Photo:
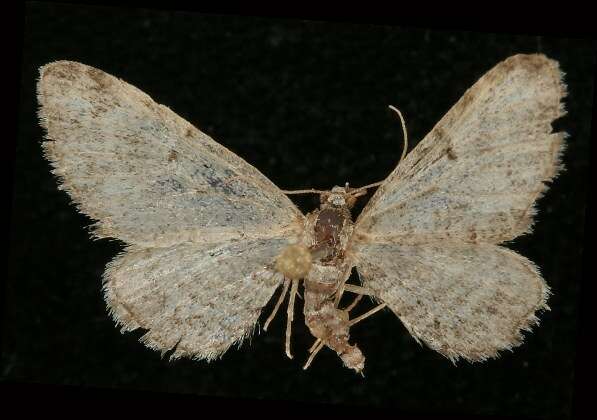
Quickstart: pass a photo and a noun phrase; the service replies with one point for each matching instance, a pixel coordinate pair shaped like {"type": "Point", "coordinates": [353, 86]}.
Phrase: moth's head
{"type": "Point", "coordinates": [340, 197]}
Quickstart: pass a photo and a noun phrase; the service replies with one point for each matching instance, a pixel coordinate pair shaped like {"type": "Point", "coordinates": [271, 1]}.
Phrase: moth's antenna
{"type": "Point", "coordinates": [404, 147]}
{"type": "Point", "coordinates": [309, 191]}
{"type": "Point", "coordinates": [375, 184]}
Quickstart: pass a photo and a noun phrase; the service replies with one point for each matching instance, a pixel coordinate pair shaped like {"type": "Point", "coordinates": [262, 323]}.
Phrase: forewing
{"type": "Point", "coordinates": [462, 300]}
{"type": "Point", "coordinates": [147, 175]}
{"type": "Point", "coordinates": [477, 174]}
{"type": "Point", "coordinates": [198, 299]}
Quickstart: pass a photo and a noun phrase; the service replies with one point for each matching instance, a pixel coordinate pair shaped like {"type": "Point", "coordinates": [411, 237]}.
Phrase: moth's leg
{"type": "Point", "coordinates": [290, 314]}
{"type": "Point", "coordinates": [313, 354]}
{"type": "Point", "coordinates": [353, 304]}
{"type": "Point", "coordinates": [341, 289]}
{"type": "Point", "coordinates": [278, 303]}
{"type": "Point", "coordinates": [360, 290]}
{"type": "Point", "coordinates": [367, 314]}
{"type": "Point", "coordinates": [339, 293]}
{"type": "Point", "coordinates": [315, 344]}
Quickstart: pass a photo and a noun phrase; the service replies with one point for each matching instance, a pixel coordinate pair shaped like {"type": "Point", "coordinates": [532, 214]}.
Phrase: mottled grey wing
{"type": "Point", "coordinates": [475, 177]}
{"type": "Point", "coordinates": [424, 244]}
{"type": "Point", "coordinates": [148, 176]}
{"type": "Point", "coordinates": [462, 300]}
{"type": "Point", "coordinates": [198, 299]}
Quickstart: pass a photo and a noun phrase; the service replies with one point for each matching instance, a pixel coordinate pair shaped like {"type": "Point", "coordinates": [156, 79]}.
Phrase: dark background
{"type": "Point", "coordinates": [306, 103]}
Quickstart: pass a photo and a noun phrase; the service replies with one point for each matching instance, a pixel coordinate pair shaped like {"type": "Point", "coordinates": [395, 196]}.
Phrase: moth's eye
{"type": "Point", "coordinates": [294, 262]}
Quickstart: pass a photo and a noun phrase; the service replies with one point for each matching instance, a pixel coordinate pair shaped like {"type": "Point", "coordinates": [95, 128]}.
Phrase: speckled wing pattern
{"type": "Point", "coordinates": [202, 225]}
{"type": "Point", "coordinates": [197, 299]}
{"type": "Point", "coordinates": [426, 243]}
{"type": "Point", "coordinates": [149, 177]}
{"type": "Point", "coordinates": [463, 300]}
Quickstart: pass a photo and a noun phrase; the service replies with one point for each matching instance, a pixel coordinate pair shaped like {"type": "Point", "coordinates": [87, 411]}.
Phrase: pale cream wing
{"type": "Point", "coordinates": [198, 299]}
{"type": "Point", "coordinates": [148, 176]}
{"type": "Point", "coordinates": [463, 300]}
{"type": "Point", "coordinates": [477, 174]}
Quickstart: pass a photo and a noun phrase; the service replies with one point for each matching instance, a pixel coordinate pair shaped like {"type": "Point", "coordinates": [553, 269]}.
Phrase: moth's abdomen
{"type": "Point", "coordinates": [330, 324]}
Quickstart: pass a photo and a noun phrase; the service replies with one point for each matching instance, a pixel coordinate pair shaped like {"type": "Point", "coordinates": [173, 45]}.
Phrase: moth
{"type": "Point", "coordinates": [209, 239]}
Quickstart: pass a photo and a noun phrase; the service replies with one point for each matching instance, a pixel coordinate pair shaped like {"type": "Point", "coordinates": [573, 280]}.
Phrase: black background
{"type": "Point", "coordinates": [306, 103]}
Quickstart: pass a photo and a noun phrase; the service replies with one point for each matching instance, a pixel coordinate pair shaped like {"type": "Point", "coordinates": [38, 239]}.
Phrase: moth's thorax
{"type": "Point", "coordinates": [330, 227]}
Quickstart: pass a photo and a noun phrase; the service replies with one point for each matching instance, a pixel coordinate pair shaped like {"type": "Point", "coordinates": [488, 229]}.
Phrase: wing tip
{"type": "Point", "coordinates": [539, 63]}
{"type": "Point", "coordinates": [534, 61]}
{"type": "Point", "coordinates": [57, 70]}
{"type": "Point", "coordinates": [61, 69]}
{"type": "Point", "coordinates": [48, 74]}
